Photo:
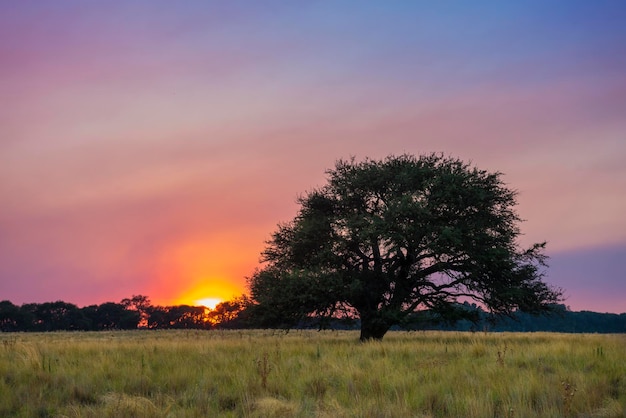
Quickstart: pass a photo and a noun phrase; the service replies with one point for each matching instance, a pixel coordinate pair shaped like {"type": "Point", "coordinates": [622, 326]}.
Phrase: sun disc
{"type": "Point", "coordinates": [210, 303]}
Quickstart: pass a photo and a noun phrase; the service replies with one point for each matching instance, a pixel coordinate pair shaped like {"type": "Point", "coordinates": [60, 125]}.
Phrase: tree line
{"type": "Point", "coordinates": [130, 313]}
{"type": "Point", "coordinates": [239, 313]}
{"type": "Point", "coordinates": [561, 319]}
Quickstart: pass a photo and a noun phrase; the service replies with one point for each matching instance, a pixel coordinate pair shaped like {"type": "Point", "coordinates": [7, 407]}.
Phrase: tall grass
{"type": "Point", "coordinates": [311, 374]}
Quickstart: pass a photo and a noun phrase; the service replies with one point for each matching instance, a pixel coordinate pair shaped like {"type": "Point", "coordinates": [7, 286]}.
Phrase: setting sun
{"type": "Point", "coordinates": [209, 293]}
{"type": "Point", "coordinates": [203, 270]}
{"type": "Point", "coordinates": [210, 303]}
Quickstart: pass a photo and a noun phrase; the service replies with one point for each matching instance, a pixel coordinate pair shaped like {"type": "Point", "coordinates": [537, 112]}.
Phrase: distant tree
{"type": "Point", "coordinates": [157, 317]}
{"type": "Point", "coordinates": [188, 317]}
{"type": "Point", "coordinates": [11, 317]}
{"type": "Point", "coordinates": [55, 316]}
{"type": "Point", "coordinates": [177, 317]}
{"type": "Point", "coordinates": [228, 313]}
{"type": "Point", "coordinates": [141, 304]}
{"type": "Point", "coordinates": [111, 315]}
{"type": "Point", "coordinates": [91, 313]}
{"type": "Point", "coordinates": [385, 239]}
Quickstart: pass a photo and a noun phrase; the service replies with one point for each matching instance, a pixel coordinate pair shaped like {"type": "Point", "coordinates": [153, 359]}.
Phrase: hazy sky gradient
{"type": "Point", "coordinates": [152, 146]}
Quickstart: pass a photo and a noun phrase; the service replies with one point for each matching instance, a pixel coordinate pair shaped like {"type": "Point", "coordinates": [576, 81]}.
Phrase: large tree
{"type": "Point", "coordinates": [385, 239]}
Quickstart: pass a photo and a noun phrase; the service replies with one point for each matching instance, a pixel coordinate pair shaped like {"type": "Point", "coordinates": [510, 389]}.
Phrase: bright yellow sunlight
{"type": "Point", "coordinates": [209, 293]}
{"type": "Point", "coordinates": [210, 303]}
{"type": "Point", "coordinates": [206, 271]}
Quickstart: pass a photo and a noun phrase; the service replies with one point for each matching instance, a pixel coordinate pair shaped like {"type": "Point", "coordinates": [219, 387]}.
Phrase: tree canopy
{"type": "Point", "coordinates": [384, 239]}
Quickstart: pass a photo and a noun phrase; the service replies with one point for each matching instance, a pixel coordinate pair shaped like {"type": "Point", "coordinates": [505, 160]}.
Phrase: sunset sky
{"type": "Point", "coordinates": [151, 147]}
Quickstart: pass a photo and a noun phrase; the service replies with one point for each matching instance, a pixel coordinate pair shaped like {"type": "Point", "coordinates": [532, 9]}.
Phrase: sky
{"type": "Point", "coordinates": [152, 147]}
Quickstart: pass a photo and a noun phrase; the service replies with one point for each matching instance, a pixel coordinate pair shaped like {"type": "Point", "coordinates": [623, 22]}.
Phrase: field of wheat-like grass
{"type": "Point", "coordinates": [311, 374]}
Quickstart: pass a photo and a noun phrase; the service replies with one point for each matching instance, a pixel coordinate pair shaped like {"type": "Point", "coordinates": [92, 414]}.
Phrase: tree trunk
{"type": "Point", "coordinates": [373, 326]}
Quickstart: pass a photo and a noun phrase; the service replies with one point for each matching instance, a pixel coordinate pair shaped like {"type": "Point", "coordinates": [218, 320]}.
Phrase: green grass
{"type": "Point", "coordinates": [311, 374]}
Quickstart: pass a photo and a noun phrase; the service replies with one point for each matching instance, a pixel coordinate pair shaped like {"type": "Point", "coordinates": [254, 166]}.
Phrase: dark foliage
{"type": "Point", "coordinates": [561, 320]}
{"type": "Point", "coordinates": [177, 317]}
{"type": "Point", "coordinates": [111, 316]}
{"type": "Point", "coordinates": [241, 313]}
{"type": "Point", "coordinates": [386, 239]}
{"type": "Point", "coordinates": [131, 313]}
{"type": "Point", "coordinates": [62, 316]}
{"type": "Point", "coordinates": [231, 314]}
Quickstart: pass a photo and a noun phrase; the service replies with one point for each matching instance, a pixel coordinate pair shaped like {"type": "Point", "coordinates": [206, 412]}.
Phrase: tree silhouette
{"type": "Point", "coordinates": [110, 315]}
{"type": "Point", "coordinates": [141, 304]}
{"type": "Point", "coordinates": [384, 239]}
{"type": "Point", "coordinates": [230, 313]}
{"type": "Point", "coordinates": [11, 317]}
{"type": "Point", "coordinates": [55, 316]}
{"type": "Point", "coordinates": [177, 317]}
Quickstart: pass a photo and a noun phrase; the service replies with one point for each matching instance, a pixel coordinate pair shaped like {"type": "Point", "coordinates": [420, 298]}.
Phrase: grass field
{"type": "Point", "coordinates": [311, 374]}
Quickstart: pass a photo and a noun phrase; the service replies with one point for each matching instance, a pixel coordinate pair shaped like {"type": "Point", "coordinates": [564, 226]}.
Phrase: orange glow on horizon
{"type": "Point", "coordinates": [210, 303]}
{"type": "Point", "coordinates": [206, 270]}
{"type": "Point", "coordinates": [208, 293]}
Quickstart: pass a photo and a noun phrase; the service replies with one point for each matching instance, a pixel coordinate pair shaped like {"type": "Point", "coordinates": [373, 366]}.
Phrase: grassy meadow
{"type": "Point", "coordinates": [311, 374]}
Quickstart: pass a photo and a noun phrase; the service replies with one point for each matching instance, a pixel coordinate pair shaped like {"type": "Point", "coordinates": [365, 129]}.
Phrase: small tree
{"type": "Point", "coordinates": [11, 317]}
{"type": "Point", "coordinates": [385, 239]}
{"type": "Point", "coordinates": [141, 304]}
